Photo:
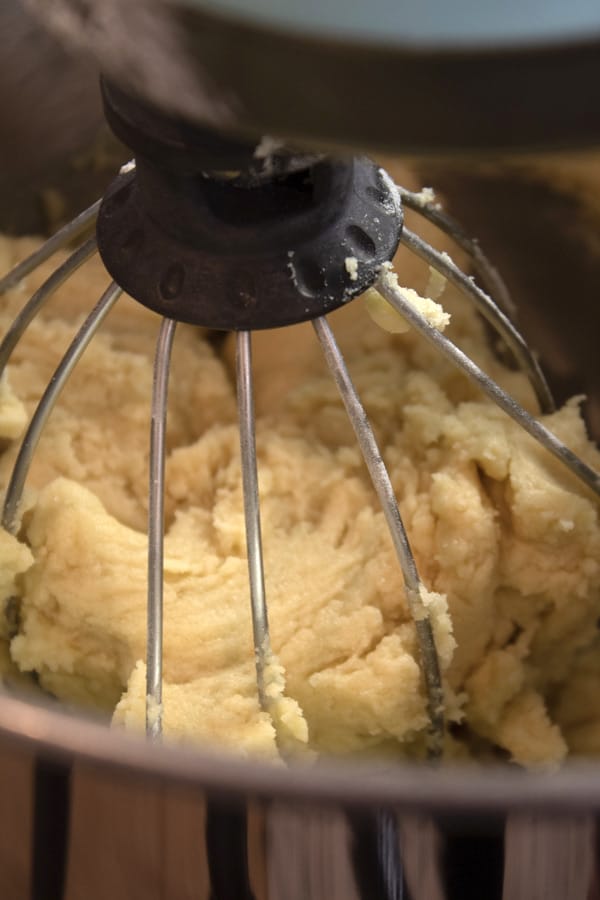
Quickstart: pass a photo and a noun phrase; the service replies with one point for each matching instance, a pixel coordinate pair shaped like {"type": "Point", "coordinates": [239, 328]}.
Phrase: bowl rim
{"type": "Point", "coordinates": [47, 732]}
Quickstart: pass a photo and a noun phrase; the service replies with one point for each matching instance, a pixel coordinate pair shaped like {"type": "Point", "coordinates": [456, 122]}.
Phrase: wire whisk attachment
{"type": "Point", "coordinates": [260, 254]}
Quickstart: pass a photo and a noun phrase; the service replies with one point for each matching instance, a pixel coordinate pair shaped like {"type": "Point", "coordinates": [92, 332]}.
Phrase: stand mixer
{"type": "Point", "coordinates": [187, 76]}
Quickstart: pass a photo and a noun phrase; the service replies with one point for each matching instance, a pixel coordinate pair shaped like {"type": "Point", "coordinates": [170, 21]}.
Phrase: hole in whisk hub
{"type": "Point", "coordinates": [309, 277]}
{"type": "Point", "coordinates": [171, 283]}
{"type": "Point", "coordinates": [376, 194]}
{"type": "Point", "coordinates": [362, 246]}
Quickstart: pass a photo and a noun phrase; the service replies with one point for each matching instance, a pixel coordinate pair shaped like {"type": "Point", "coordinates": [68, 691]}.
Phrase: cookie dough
{"type": "Point", "coordinates": [505, 540]}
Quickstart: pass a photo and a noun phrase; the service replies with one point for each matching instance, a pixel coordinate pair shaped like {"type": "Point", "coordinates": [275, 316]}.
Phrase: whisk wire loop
{"type": "Point", "coordinates": [39, 298]}
{"type": "Point", "coordinates": [154, 610]}
{"type": "Point", "coordinates": [532, 426]}
{"type": "Point", "coordinates": [493, 314]}
{"type": "Point", "coordinates": [46, 405]}
{"type": "Point", "coordinates": [260, 621]}
{"type": "Point", "coordinates": [59, 239]}
{"type": "Point", "coordinates": [383, 487]}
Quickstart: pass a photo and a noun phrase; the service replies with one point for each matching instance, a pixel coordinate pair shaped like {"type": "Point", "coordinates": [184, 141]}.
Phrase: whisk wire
{"type": "Point", "coordinates": [154, 648]}
{"type": "Point", "coordinates": [59, 239]}
{"type": "Point", "coordinates": [260, 621]}
{"type": "Point", "coordinates": [507, 403]}
{"type": "Point", "coordinates": [493, 314]}
{"type": "Point", "coordinates": [383, 486]}
{"type": "Point", "coordinates": [47, 402]}
{"type": "Point", "coordinates": [39, 298]}
{"type": "Point", "coordinates": [489, 275]}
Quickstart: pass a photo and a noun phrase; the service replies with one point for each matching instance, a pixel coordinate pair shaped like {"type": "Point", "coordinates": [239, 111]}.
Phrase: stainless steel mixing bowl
{"type": "Point", "coordinates": [539, 219]}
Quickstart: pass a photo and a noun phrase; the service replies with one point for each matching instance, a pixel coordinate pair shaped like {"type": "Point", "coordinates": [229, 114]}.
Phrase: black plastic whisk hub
{"type": "Point", "coordinates": [205, 231]}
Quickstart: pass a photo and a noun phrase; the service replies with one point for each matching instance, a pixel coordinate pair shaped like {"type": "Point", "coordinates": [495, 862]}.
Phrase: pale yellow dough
{"type": "Point", "coordinates": [506, 542]}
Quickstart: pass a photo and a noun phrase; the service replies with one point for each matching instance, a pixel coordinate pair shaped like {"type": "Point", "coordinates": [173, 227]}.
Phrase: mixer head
{"type": "Point", "coordinates": [465, 76]}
